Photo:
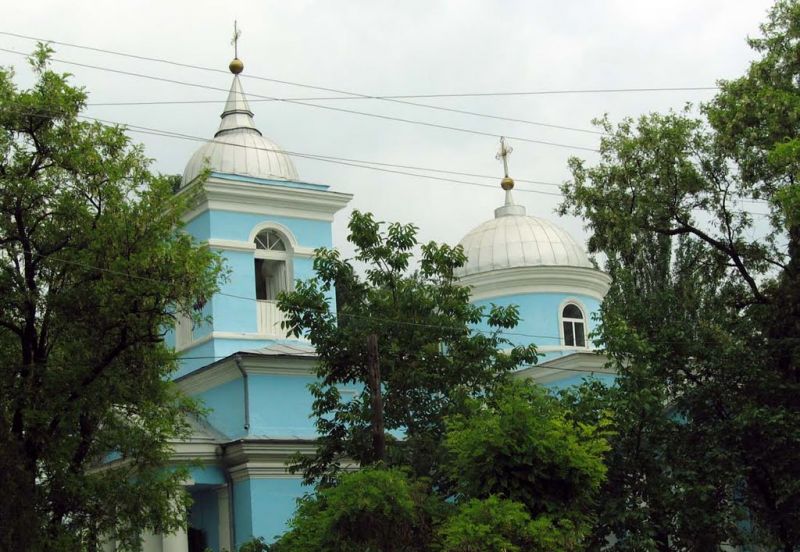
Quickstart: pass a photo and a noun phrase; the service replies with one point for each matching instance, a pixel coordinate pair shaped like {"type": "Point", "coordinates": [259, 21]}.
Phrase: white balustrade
{"type": "Point", "coordinates": [270, 318]}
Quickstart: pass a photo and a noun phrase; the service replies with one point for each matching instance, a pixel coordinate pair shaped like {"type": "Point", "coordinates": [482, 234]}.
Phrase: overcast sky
{"type": "Point", "coordinates": [395, 48]}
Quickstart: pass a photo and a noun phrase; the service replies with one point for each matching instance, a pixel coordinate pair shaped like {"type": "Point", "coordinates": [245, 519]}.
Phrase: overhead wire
{"type": "Point", "coordinates": [337, 314]}
{"type": "Point", "coordinates": [363, 164]}
{"type": "Point", "coordinates": [401, 99]}
{"type": "Point", "coordinates": [318, 106]}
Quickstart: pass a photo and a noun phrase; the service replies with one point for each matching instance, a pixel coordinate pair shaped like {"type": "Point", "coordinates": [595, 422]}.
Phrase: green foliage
{"type": "Point", "coordinates": [703, 318]}
{"type": "Point", "coordinates": [520, 444]}
{"type": "Point", "coordinates": [372, 510]}
{"type": "Point", "coordinates": [92, 266]}
{"type": "Point", "coordinates": [498, 525]}
{"type": "Point", "coordinates": [429, 357]}
{"type": "Point", "coordinates": [255, 545]}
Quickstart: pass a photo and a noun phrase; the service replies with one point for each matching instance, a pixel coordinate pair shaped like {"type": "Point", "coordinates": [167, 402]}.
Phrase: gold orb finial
{"type": "Point", "coordinates": [236, 66]}
{"type": "Point", "coordinates": [507, 183]}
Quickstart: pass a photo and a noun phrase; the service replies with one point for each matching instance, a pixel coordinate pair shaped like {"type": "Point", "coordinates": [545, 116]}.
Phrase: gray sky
{"type": "Point", "coordinates": [391, 48]}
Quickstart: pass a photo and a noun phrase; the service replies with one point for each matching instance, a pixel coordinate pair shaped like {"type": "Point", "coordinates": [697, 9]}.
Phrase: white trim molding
{"type": "Point", "coordinates": [250, 247]}
{"type": "Point", "coordinates": [538, 279]}
{"type": "Point", "coordinates": [243, 197]}
{"type": "Point", "coordinates": [248, 459]}
{"type": "Point", "coordinates": [252, 363]}
{"type": "Point", "coordinates": [581, 363]}
{"type": "Point", "coordinates": [279, 228]}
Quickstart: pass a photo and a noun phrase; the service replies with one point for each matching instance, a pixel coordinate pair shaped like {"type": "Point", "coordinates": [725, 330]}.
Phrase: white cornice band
{"type": "Point", "coordinates": [262, 199]}
{"type": "Point", "coordinates": [538, 279]}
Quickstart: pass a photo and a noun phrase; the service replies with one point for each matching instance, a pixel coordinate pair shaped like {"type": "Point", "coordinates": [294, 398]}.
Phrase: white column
{"type": "Point", "coordinates": [223, 507]}
{"type": "Point", "coordinates": [176, 542]}
{"type": "Point", "coordinates": [151, 542]}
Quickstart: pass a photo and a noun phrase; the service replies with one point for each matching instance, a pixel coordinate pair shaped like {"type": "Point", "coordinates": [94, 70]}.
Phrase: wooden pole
{"type": "Point", "coordinates": [376, 400]}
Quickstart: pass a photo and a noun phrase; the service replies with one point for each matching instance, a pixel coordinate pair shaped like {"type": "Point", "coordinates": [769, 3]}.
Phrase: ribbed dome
{"type": "Point", "coordinates": [513, 239]}
{"type": "Point", "coordinates": [238, 146]}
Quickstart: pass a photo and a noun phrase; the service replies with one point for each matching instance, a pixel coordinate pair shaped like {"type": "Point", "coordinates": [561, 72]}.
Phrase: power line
{"type": "Point", "coordinates": [337, 314]}
{"type": "Point", "coordinates": [396, 96]}
{"type": "Point", "coordinates": [402, 99]}
{"type": "Point", "coordinates": [343, 160]}
{"type": "Point", "coordinates": [317, 106]}
{"type": "Point", "coordinates": [364, 164]}
{"type": "Point", "coordinates": [313, 98]}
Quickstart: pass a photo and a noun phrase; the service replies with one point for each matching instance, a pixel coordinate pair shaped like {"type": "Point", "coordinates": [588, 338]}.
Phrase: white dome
{"type": "Point", "coordinates": [239, 148]}
{"type": "Point", "coordinates": [512, 240]}
{"type": "Point", "coordinates": [244, 154]}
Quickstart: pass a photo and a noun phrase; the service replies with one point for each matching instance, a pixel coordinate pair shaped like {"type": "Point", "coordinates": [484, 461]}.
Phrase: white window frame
{"type": "Point", "coordinates": [585, 321]}
{"type": "Point", "coordinates": [286, 255]}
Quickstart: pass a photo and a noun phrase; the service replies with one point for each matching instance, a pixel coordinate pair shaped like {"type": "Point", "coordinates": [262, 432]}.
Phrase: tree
{"type": "Point", "coordinates": [520, 444]}
{"type": "Point", "coordinates": [704, 312]}
{"type": "Point", "coordinates": [371, 510]}
{"type": "Point", "coordinates": [524, 477]}
{"type": "Point", "coordinates": [428, 355]}
{"type": "Point", "coordinates": [92, 267]}
{"type": "Point", "coordinates": [497, 525]}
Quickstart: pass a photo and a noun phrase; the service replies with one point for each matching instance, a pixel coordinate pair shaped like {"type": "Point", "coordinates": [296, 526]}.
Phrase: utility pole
{"type": "Point", "coordinates": [376, 400]}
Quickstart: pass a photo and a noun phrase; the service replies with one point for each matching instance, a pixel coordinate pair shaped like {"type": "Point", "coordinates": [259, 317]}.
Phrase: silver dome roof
{"type": "Point", "coordinates": [239, 147]}
{"type": "Point", "coordinates": [512, 239]}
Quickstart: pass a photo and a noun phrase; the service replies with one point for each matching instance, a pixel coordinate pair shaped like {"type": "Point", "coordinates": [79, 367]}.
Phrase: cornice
{"type": "Point", "coordinates": [250, 247]}
{"type": "Point", "coordinates": [581, 363]}
{"type": "Point", "coordinates": [239, 336]}
{"type": "Point", "coordinates": [264, 458]}
{"type": "Point", "coordinates": [244, 197]}
{"type": "Point", "coordinates": [225, 370]}
{"type": "Point", "coordinates": [218, 374]}
{"type": "Point", "coordinates": [538, 279]}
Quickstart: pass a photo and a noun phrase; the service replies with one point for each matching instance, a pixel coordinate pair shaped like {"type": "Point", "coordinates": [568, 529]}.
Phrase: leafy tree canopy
{"type": "Point", "coordinates": [92, 264]}
{"type": "Point", "coordinates": [703, 318]}
{"type": "Point", "coordinates": [428, 353]}
{"type": "Point", "coordinates": [520, 444]}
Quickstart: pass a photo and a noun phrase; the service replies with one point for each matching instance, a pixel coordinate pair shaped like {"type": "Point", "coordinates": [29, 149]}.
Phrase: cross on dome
{"type": "Point", "coordinates": [507, 183]}
{"type": "Point", "coordinates": [236, 66]}
{"type": "Point", "coordinates": [238, 146]}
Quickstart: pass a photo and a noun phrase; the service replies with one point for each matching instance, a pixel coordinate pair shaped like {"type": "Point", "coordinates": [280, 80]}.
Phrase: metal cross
{"type": "Point", "coordinates": [505, 151]}
{"type": "Point", "coordinates": [235, 40]}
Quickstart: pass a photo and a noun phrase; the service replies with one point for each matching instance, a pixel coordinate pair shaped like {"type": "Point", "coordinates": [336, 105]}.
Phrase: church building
{"type": "Point", "coordinates": [257, 211]}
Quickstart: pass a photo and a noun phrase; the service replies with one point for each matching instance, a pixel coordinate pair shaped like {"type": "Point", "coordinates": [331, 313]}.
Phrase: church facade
{"type": "Point", "coordinates": [266, 221]}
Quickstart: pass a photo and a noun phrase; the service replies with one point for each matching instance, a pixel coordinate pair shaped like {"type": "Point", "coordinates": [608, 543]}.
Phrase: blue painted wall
{"type": "Point", "coordinates": [268, 505]}
{"type": "Point", "coordinates": [539, 315]}
{"type": "Point", "coordinates": [227, 225]}
{"type": "Point", "coordinates": [234, 308]}
{"type": "Point", "coordinates": [242, 512]}
{"type": "Point", "coordinates": [280, 406]}
{"type": "Point", "coordinates": [226, 408]}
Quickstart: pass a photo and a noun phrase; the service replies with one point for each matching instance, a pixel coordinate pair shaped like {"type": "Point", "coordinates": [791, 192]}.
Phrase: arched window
{"type": "Point", "coordinates": [574, 326]}
{"type": "Point", "coordinates": [272, 270]}
{"type": "Point", "coordinates": [270, 240]}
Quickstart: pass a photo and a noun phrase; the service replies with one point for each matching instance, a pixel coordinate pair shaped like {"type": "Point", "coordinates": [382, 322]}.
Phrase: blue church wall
{"type": "Point", "coordinates": [200, 227]}
{"type": "Point", "coordinates": [280, 406]}
{"type": "Point", "coordinates": [264, 505]}
{"type": "Point", "coordinates": [243, 511]}
{"type": "Point", "coordinates": [204, 515]}
{"type": "Point", "coordinates": [228, 225]}
{"type": "Point", "coordinates": [237, 314]}
{"type": "Point", "coordinates": [226, 405]}
{"type": "Point", "coordinates": [199, 355]}
{"type": "Point", "coordinates": [539, 316]}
